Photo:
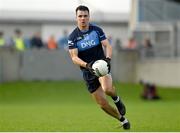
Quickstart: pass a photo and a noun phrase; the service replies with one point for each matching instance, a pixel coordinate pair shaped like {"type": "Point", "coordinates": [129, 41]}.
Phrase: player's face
{"type": "Point", "coordinates": [82, 18]}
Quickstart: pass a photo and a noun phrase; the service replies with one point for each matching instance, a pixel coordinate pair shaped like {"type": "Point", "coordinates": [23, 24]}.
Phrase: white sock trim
{"type": "Point", "coordinates": [125, 121]}
{"type": "Point", "coordinates": [117, 100]}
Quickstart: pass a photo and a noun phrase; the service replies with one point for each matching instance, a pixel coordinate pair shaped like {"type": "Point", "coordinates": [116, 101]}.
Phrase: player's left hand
{"type": "Point", "coordinates": [108, 60]}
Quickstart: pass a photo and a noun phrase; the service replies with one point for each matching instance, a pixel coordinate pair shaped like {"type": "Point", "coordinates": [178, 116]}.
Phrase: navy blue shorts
{"type": "Point", "coordinates": [91, 80]}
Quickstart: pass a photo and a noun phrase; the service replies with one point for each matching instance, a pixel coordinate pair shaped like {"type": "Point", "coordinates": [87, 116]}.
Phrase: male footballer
{"type": "Point", "coordinates": [86, 44]}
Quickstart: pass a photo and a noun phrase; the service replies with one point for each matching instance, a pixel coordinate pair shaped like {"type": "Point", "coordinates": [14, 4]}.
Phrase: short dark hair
{"type": "Point", "coordinates": [82, 8]}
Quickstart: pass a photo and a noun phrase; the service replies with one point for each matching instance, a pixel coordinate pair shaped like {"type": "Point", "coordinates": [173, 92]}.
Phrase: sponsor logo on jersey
{"type": "Point", "coordinates": [89, 40]}
{"type": "Point", "coordinates": [88, 43]}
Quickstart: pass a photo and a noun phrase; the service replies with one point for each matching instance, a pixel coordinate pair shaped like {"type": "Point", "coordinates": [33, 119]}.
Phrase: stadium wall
{"type": "Point", "coordinates": [9, 65]}
{"type": "Point", "coordinates": [37, 65]}
{"type": "Point", "coordinates": [161, 71]}
{"type": "Point", "coordinates": [56, 65]}
{"type": "Point", "coordinates": [48, 65]}
{"type": "Point", "coordinates": [124, 65]}
{"type": "Point", "coordinates": [45, 64]}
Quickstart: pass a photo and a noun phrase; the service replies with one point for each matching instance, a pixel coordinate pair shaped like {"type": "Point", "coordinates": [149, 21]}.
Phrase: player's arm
{"type": "Point", "coordinates": [76, 60]}
{"type": "Point", "coordinates": [108, 48]}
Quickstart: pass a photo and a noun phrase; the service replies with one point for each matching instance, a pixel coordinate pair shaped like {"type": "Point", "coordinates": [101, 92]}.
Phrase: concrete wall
{"type": "Point", "coordinates": [56, 65]}
{"type": "Point", "coordinates": [48, 65]}
{"type": "Point", "coordinates": [9, 65]}
{"type": "Point", "coordinates": [164, 72]}
{"type": "Point", "coordinates": [124, 65]}
{"type": "Point", "coordinates": [37, 65]}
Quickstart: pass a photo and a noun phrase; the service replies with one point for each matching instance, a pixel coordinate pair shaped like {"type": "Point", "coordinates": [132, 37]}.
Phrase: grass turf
{"type": "Point", "coordinates": [67, 106]}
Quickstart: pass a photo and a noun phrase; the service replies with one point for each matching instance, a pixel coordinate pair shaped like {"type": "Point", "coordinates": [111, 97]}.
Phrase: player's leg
{"type": "Point", "coordinates": [106, 83]}
{"type": "Point", "coordinates": [101, 100]}
{"type": "Point", "coordinates": [94, 87]}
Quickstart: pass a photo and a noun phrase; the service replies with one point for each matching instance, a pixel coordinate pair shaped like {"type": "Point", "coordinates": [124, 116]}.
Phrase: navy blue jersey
{"type": "Point", "coordinates": [88, 43]}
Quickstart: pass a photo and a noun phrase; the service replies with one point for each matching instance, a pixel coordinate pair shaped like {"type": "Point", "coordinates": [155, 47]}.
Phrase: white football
{"type": "Point", "coordinates": [100, 68]}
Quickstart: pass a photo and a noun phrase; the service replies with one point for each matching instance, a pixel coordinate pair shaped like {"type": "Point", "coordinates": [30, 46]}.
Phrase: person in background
{"type": "Point", "coordinates": [118, 44]}
{"type": "Point", "coordinates": [149, 90]}
{"type": "Point", "coordinates": [27, 42]}
{"type": "Point", "coordinates": [132, 44]}
{"type": "Point", "coordinates": [51, 44]}
{"type": "Point", "coordinates": [36, 41]}
{"type": "Point", "coordinates": [147, 43]}
{"type": "Point", "coordinates": [63, 41]}
{"type": "Point", "coordinates": [146, 48]}
{"type": "Point", "coordinates": [18, 40]}
{"type": "Point", "coordinates": [2, 40]}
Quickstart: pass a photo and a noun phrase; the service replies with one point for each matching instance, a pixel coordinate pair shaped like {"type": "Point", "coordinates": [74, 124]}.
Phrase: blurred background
{"type": "Point", "coordinates": [144, 34]}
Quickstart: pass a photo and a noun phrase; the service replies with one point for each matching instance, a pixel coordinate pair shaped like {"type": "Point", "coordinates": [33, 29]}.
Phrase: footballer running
{"type": "Point", "coordinates": [86, 44]}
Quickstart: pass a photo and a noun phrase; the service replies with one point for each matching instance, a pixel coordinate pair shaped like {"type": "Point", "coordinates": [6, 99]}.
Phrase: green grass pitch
{"type": "Point", "coordinates": [67, 106]}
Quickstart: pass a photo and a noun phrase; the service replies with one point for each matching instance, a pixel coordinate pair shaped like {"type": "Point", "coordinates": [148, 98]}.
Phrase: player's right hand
{"type": "Point", "coordinates": [89, 67]}
{"type": "Point", "coordinates": [108, 60]}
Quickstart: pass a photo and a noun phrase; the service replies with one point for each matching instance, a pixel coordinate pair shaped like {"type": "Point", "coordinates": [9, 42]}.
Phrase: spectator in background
{"type": "Point", "coordinates": [51, 44]}
{"type": "Point", "coordinates": [18, 40]}
{"type": "Point", "coordinates": [10, 43]}
{"type": "Point", "coordinates": [2, 40]}
{"type": "Point", "coordinates": [118, 44]}
{"type": "Point", "coordinates": [147, 43]}
{"type": "Point", "coordinates": [147, 48]}
{"type": "Point", "coordinates": [36, 41]}
{"type": "Point", "coordinates": [131, 43]}
{"type": "Point", "coordinates": [27, 42]}
{"type": "Point", "coordinates": [63, 41]}
{"type": "Point", "coordinates": [149, 91]}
